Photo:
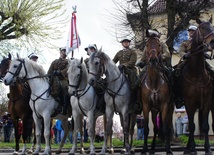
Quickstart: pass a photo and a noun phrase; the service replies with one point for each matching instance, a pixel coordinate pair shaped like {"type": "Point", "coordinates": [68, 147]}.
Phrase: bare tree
{"type": "Point", "coordinates": [179, 13]}
{"type": "Point", "coordinates": [30, 23]}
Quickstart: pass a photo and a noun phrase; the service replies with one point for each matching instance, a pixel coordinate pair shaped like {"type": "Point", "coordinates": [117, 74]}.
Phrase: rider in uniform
{"type": "Point", "coordinates": [101, 83]}
{"type": "Point", "coordinates": [127, 58]}
{"type": "Point", "coordinates": [184, 52]}
{"type": "Point", "coordinates": [59, 80]}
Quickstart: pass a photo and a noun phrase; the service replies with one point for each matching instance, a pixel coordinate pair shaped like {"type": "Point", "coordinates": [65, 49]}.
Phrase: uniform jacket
{"type": "Point", "coordinates": [126, 57]}
{"type": "Point", "coordinates": [59, 64]}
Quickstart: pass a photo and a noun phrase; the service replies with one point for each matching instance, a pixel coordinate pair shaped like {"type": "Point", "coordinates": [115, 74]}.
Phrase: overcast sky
{"type": "Point", "coordinates": [93, 24]}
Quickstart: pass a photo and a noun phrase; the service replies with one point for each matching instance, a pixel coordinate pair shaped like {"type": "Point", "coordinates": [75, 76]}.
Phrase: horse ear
{"type": "Point", "coordinates": [17, 55]}
{"type": "Point", "coordinates": [100, 50]}
{"type": "Point", "coordinates": [9, 56]}
{"type": "Point", "coordinates": [211, 19]}
{"type": "Point", "coordinates": [81, 60]}
{"type": "Point", "coordinates": [147, 33]}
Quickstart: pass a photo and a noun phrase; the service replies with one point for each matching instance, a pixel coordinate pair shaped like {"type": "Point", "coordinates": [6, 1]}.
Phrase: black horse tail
{"type": "Point", "coordinates": [200, 121]}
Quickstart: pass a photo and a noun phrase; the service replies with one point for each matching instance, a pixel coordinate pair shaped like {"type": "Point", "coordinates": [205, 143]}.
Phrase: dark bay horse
{"type": "Point", "coordinates": [18, 105]}
{"type": "Point", "coordinates": [156, 96]}
{"type": "Point", "coordinates": [197, 85]}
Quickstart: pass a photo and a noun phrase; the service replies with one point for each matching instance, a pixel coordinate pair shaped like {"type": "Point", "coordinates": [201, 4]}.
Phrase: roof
{"type": "Point", "coordinates": [159, 6]}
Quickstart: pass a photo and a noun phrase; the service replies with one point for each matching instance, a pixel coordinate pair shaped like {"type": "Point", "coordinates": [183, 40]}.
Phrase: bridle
{"type": "Point", "coordinates": [77, 90]}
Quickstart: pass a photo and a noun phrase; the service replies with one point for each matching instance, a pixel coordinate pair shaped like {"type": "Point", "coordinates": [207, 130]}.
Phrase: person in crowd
{"type": "Point", "coordinates": [59, 80]}
{"type": "Point", "coordinates": [127, 58]}
{"type": "Point", "coordinates": [140, 127]}
{"type": "Point", "coordinates": [178, 125]}
{"type": "Point", "coordinates": [33, 57]}
{"type": "Point", "coordinates": [7, 122]}
{"type": "Point", "coordinates": [59, 130]}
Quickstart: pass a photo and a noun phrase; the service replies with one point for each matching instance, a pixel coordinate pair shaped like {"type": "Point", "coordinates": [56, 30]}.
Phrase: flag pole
{"type": "Point", "coordinates": [73, 16]}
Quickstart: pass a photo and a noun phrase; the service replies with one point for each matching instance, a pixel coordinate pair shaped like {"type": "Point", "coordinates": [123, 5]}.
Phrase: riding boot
{"type": "Point", "coordinates": [180, 66]}
{"type": "Point", "coordinates": [178, 99]}
{"type": "Point", "coordinates": [65, 104]}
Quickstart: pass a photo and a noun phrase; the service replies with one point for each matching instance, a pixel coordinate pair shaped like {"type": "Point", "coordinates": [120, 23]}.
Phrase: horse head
{"type": "Point", "coordinates": [77, 75]}
{"type": "Point", "coordinates": [96, 66]}
{"type": "Point", "coordinates": [204, 34]}
{"type": "Point", "coordinates": [16, 70]}
{"type": "Point", "coordinates": [153, 50]}
{"type": "Point", "coordinates": [4, 65]}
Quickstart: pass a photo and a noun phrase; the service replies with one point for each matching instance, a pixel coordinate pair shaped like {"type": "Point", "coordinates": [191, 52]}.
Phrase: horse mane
{"type": "Point", "coordinates": [36, 66]}
{"type": "Point", "coordinates": [101, 55]}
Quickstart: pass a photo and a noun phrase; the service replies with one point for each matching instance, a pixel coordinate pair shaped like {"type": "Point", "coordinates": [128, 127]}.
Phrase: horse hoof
{"type": "Point", "coordinates": [59, 152]}
{"type": "Point", "coordinates": [132, 151]}
{"type": "Point", "coordinates": [143, 153]}
{"type": "Point", "coordinates": [15, 153]}
{"type": "Point", "coordinates": [111, 151]}
{"type": "Point", "coordinates": [209, 153]}
{"type": "Point", "coordinates": [122, 151]}
{"type": "Point", "coordinates": [169, 153]}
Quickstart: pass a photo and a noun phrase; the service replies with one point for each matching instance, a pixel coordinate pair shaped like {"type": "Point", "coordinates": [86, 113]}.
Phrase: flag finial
{"type": "Point", "coordinates": [74, 8]}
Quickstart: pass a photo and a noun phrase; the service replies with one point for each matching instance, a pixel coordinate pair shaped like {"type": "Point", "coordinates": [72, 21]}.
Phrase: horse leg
{"type": "Point", "coordinates": [38, 124]}
{"type": "Point", "coordinates": [78, 121]}
{"type": "Point", "coordinates": [155, 130]}
{"type": "Point", "coordinates": [205, 128]}
{"type": "Point", "coordinates": [126, 121]}
{"type": "Point", "coordinates": [167, 126]}
{"type": "Point", "coordinates": [131, 132]}
{"type": "Point", "coordinates": [190, 147]}
{"type": "Point", "coordinates": [123, 149]}
{"type": "Point", "coordinates": [17, 136]}
{"type": "Point", "coordinates": [108, 128]}
{"type": "Point", "coordinates": [24, 134]}
{"type": "Point", "coordinates": [47, 122]}
{"type": "Point", "coordinates": [146, 129]}
{"type": "Point", "coordinates": [91, 132]}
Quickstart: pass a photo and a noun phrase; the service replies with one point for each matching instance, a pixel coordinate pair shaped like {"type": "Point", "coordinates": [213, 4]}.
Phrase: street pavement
{"type": "Point", "coordinates": [138, 153]}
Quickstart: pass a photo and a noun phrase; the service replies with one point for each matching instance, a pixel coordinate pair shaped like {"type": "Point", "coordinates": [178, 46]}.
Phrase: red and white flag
{"type": "Point", "coordinates": [73, 41]}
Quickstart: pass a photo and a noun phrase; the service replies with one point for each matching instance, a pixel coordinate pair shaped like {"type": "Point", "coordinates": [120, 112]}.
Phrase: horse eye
{"type": "Point", "coordinates": [15, 66]}
{"type": "Point", "coordinates": [78, 75]}
{"type": "Point", "coordinates": [96, 63]}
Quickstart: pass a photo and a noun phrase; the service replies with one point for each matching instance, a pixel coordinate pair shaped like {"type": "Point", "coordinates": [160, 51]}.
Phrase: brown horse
{"type": "Point", "coordinates": [197, 85]}
{"type": "Point", "coordinates": [156, 96]}
{"type": "Point", "coordinates": [18, 105]}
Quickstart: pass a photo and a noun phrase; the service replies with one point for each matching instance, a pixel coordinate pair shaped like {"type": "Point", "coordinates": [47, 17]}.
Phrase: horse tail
{"type": "Point", "coordinates": [200, 121]}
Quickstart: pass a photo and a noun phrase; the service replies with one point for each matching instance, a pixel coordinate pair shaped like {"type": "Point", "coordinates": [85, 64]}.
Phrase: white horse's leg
{"type": "Point", "coordinates": [126, 121]}
{"type": "Point", "coordinates": [108, 128]}
{"type": "Point", "coordinates": [77, 121]}
{"type": "Point", "coordinates": [91, 132]}
{"type": "Point", "coordinates": [38, 124]}
{"type": "Point", "coordinates": [47, 123]}
{"type": "Point", "coordinates": [66, 132]}
{"type": "Point", "coordinates": [24, 149]}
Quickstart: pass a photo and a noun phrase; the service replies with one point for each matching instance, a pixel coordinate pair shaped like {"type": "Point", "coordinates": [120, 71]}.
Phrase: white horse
{"type": "Point", "coordinates": [42, 104]}
{"type": "Point", "coordinates": [117, 95]}
{"type": "Point", "coordinates": [83, 102]}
